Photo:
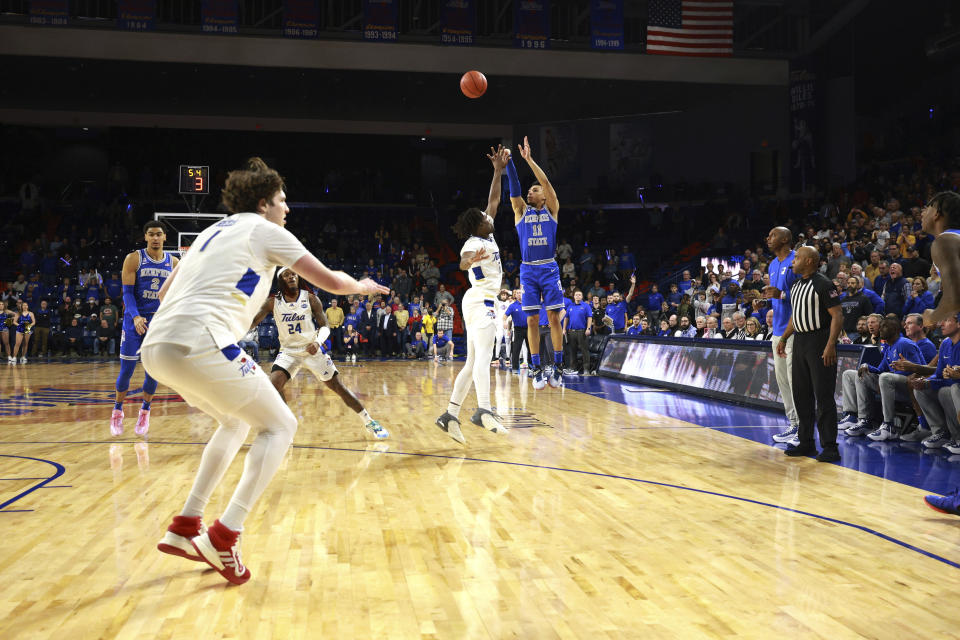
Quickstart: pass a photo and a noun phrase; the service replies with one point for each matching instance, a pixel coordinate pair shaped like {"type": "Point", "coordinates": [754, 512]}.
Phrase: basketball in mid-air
{"type": "Point", "coordinates": [473, 84]}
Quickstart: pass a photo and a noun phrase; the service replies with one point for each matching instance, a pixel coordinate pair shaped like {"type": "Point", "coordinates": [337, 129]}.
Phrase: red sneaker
{"type": "Point", "coordinates": [220, 548]}
{"type": "Point", "coordinates": [176, 541]}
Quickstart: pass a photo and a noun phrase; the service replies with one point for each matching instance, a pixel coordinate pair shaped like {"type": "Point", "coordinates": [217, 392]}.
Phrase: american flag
{"type": "Point", "coordinates": [690, 27]}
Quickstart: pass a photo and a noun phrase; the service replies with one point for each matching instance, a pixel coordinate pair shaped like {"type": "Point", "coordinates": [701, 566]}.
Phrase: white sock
{"type": "Point", "coordinates": [453, 408]}
{"type": "Point", "coordinates": [217, 456]}
{"type": "Point", "coordinates": [364, 416]}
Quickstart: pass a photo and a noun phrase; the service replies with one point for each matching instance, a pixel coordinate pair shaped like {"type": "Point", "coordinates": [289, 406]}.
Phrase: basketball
{"type": "Point", "coordinates": [473, 84]}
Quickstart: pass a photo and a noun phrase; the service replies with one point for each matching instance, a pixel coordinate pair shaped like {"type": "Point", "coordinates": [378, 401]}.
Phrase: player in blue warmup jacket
{"type": "Point", "coordinates": [536, 221]}
{"type": "Point", "coordinates": [144, 272]}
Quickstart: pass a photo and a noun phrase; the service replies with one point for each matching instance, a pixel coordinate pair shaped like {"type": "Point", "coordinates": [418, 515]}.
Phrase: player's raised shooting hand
{"type": "Point", "coordinates": [525, 149]}
{"type": "Point", "coordinates": [368, 286]}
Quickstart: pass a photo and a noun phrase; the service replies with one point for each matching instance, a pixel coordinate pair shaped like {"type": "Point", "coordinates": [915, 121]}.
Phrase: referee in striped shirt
{"type": "Point", "coordinates": [816, 320]}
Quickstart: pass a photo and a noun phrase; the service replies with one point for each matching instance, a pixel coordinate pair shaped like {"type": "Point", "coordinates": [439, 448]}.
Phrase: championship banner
{"type": "Point", "coordinates": [531, 24]}
{"type": "Point", "coordinates": [459, 22]}
{"type": "Point", "coordinates": [606, 25]}
{"type": "Point", "coordinates": [137, 15]}
{"type": "Point", "coordinates": [50, 12]}
{"type": "Point", "coordinates": [301, 18]}
{"type": "Point", "coordinates": [381, 20]}
{"type": "Point", "coordinates": [220, 16]}
{"type": "Point", "coordinates": [803, 127]}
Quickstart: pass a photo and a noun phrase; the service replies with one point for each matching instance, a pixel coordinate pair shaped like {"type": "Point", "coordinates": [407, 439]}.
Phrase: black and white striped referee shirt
{"type": "Point", "coordinates": [811, 298]}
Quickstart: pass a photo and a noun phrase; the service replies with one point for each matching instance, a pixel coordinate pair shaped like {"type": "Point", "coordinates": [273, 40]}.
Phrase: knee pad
{"type": "Point", "coordinates": [126, 372]}
{"type": "Point", "coordinates": [149, 384]}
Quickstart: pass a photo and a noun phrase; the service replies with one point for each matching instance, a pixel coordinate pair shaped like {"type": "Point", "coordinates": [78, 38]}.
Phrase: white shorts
{"type": "Point", "coordinates": [320, 364]}
{"type": "Point", "coordinates": [478, 312]}
{"type": "Point", "coordinates": [207, 377]}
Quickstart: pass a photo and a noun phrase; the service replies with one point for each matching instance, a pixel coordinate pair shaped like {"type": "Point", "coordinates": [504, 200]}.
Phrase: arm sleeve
{"type": "Point", "coordinates": [513, 180]}
{"type": "Point", "coordinates": [130, 302]}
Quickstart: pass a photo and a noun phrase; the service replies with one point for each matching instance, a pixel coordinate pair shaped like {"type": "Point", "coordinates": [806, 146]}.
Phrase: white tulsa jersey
{"type": "Point", "coordinates": [295, 325]}
{"type": "Point", "coordinates": [223, 280]}
{"type": "Point", "coordinates": [487, 275]}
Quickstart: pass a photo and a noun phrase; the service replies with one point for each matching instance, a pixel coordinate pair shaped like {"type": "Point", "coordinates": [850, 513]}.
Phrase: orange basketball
{"type": "Point", "coordinates": [473, 84]}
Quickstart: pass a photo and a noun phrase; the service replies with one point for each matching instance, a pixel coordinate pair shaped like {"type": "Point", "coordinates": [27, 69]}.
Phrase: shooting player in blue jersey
{"type": "Point", "coordinates": [536, 223]}
{"type": "Point", "coordinates": [144, 272]}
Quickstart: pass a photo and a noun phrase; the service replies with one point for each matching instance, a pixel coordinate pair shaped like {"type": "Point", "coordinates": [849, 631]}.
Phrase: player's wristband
{"type": "Point", "coordinates": [513, 180]}
{"type": "Point", "coordinates": [130, 301]}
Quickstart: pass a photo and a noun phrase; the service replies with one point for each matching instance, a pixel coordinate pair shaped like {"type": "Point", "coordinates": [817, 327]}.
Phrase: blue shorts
{"type": "Point", "coordinates": [130, 340]}
{"type": "Point", "coordinates": [540, 284]}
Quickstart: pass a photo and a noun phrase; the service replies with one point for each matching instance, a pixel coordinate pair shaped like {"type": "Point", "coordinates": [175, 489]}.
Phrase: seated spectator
{"type": "Point", "coordinates": [729, 329]}
{"type": "Point", "coordinates": [861, 335]}
{"type": "Point", "coordinates": [920, 298]}
{"type": "Point", "coordinates": [854, 304]}
{"type": "Point", "coordinates": [712, 328]}
{"type": "Point", "coordinates": [74, 334]}
{"type": "Point", "coordinates": [859, 386]}
{"type": "Point", "coordinates": [701, 325]}
{"type": "Point", "coordinates": [634, 329]}
{"type": "Point", "coordinates": [739, 326]}
{"type": "Point", "coordinates": [250, 343]}
{"type": "Point", "coordinates": [417, 347]}
{"type": "Point", "coordinates": [686, 330]}
{"type": "Point", "coordinates": [933, 282]}
{"type": "Point", "coordinates": [664, 330]}
{"type": "Point", "coordinates": [106, 342]}
{"type": "Point", "coordinates": [753, 330]}
{"type": "Point", "coordinates": [673, 323]}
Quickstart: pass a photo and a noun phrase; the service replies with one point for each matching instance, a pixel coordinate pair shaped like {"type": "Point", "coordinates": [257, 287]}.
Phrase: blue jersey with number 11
{"type": "Point", "coordinates": [151, 274]}
{"type": "Point", "coordinates": [538, 235]}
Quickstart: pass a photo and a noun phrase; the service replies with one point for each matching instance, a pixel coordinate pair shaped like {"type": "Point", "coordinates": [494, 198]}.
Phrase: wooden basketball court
{"type": "Point", "coordinates": [588, 520]}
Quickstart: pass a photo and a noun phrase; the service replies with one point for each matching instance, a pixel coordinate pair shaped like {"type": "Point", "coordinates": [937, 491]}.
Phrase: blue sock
{"type": "Point", "coordinates": [558, 358]}
{"type": "Point", "coordinates": [923, 423]}
{"type": "Point", "coordinates": [535, 359]}
{"type": "Point", "coordinates": [117, 406]}
{"type": "Point", "coordinates": [146, 406]}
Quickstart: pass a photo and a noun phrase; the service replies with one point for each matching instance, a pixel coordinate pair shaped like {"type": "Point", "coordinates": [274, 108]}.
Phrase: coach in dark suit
{"type": "Point", "coordinates": [816, 319]}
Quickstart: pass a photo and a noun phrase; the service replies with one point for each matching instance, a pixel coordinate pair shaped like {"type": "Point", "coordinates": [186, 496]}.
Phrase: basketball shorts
{"type": "Point", "coordinates": [130, 340]}
{"type": "Point", "coordinates": [541, 285]}
{"type": "Point", "coordinates": [206, 377]}
{"type": "Point", "coordinates": [320, 364]}
{"type": "Point", "coordinates": [478, 312]}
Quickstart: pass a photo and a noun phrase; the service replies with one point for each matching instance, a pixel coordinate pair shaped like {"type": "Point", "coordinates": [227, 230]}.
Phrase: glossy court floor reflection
{"type": "Point", "coordinates": [609, 510]}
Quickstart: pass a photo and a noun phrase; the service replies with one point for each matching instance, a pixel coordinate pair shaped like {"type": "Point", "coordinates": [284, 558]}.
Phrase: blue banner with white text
{"type": "Point", "coordinates": [50, 12]}
{"type": "Point", "coordinates": [531, 24]}
{"type": "Point", "coordinates": [381, 20]}
{"type": "Point", "coordinates": [220, 16]}
{"type": "Point", "coordinates": [459, 20]}
{"type": "Point", "coordinates": [301, 18]}
{"type": "Point", "coordinates": [137, 15]}
{"type": "Point", "coordinates": [606, 24]}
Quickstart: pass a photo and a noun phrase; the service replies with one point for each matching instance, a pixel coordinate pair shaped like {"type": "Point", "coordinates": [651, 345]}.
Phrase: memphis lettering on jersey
{"type": "Point", "coordinates": [152, 272]}
{"type": "Point", "coordinates": [537, 239]}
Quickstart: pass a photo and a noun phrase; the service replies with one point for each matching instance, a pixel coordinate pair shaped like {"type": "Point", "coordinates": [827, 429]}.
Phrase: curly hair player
{"type": "Point", "coordinates": [206, 306]}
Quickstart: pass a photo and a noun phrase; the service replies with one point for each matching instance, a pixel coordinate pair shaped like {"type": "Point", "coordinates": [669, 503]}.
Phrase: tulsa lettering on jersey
{"type": "Point", "coordinates": [293, 317]}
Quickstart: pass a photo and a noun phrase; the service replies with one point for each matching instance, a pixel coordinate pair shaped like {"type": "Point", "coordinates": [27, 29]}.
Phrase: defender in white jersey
{"type": "Point", "coordinates": [302, 330]}
{"type": "Point", "coordinates": [206, 306]}
{"type": "Point", "coordinates": [941, 219]}
{"type": "Point", "coordinates": [480, 258]}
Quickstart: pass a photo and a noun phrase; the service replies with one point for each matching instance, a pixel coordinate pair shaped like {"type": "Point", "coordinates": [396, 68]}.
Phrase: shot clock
{"type": "Point", "coordinates": [194, 180]}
